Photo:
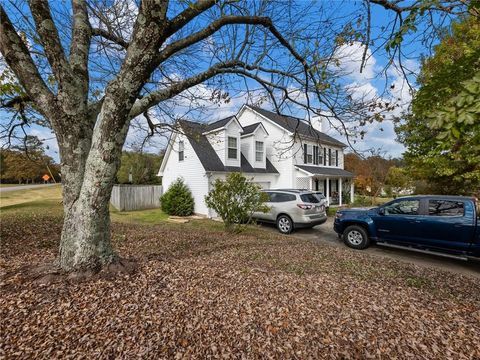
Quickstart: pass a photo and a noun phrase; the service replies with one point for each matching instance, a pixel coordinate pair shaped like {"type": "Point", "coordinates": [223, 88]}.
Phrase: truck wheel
{"type": "Point", "coordinates": [356, 237]}
{"type": "Point", "coordinates": [284, 224]}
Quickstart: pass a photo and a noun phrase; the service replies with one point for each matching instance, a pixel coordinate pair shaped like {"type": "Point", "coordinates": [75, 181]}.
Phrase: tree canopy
{"type": "Point", "coordinates": [442, 133]}
{"type": "Point", "coordinates": [142, 166]}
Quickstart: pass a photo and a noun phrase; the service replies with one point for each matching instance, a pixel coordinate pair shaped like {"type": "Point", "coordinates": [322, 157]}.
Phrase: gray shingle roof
{"type": "Point", "coordinates": [207, 155]}
{"type": "Point", "coordinates": [318, 170]}
{"type": "Point", "coordinates": [250, 128]}
{"type": "Point", "coordinates": [218, 124]}
{"type": "Point", "coordinates": [297, 125]}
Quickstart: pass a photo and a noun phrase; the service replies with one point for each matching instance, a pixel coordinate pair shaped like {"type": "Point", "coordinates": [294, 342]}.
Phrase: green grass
{"type": "Point", "coordinates": [49, 200]}
{"type": "Point", "coordinates": [150, 216]}
{"type": "Point", "coordinates": [50, 195]}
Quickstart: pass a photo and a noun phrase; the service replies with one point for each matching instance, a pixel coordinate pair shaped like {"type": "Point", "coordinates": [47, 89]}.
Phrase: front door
{"type": "Point", "coordinates": [400, 221]}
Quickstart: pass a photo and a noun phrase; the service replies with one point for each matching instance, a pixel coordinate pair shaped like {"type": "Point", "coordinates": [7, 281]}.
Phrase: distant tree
{"type": "Point", "coordinates": [398, 180]}
{"type": "Point", "coordinates": [143, 167]}
{"type": "Point", "coordinates": [235, 199]}
{"type": "Point", "coordinates": [442, 133]}
{"type": "Point", "coordinates": [20, 166]}
{"type": "Point", "coordinates": [370, 172]}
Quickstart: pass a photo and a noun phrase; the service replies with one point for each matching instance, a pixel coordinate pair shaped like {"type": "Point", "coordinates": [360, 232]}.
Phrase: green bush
{"type": "Point", "coordinates": [235, 200]}
{"type": "Point", "coordinates": [178, 199]}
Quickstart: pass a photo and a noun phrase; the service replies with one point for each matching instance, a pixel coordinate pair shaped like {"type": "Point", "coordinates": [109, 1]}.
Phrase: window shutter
{"type": "Point", "coordinates": [329, 157]}
{"type": "Point", "coordinates": [315, 153]}
{"type": "Point", "coordinates": [325, 156]}
{"type": "Point", "coordinates": [336, 157]}
{"type": "Point", "coordinates": [304, 153]}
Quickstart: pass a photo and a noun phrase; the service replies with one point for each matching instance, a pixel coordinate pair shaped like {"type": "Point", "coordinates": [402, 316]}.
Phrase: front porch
{"type": "Point", "coordinates": [336, 184]}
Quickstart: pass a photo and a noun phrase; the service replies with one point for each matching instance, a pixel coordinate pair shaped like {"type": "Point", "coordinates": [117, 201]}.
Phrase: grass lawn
{"type": "Point", "coordinates": [202, 293]}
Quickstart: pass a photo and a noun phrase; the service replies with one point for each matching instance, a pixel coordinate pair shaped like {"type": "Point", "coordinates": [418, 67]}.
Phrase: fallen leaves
{"type": "Point", "coordinates": [204, 294]}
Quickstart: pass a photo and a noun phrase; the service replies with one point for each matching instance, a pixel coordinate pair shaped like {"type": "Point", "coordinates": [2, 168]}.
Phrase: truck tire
{"type": "Point", "coordinates": [356, 237]}
{"type": "Point", "coordinates": [284, 224]}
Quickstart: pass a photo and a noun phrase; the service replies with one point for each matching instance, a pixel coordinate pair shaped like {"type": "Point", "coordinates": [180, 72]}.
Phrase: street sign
{"type": "Point", "coordinates": [46, 177]}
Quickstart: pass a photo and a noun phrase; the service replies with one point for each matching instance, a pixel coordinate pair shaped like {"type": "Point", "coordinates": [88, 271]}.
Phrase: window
{"type": "Point", "coordinates": [320, 157]}
{"type": "Point", "coordinates": [280, 197]}
{"type": "Point", "coordinates": [309, 198]}
{"type": "Point", "coordinates": [181, 151]}
{"type": "Point", "coordinates": [325, 156]}
{"type": "Point", "coordinates": [232, 147]}
{"type": "Point", "coordinates": [445, 208]}
{"type": "Point", "coordinates": [316, 157]}
{"type": "Point", "coordinates": [259, 151]}
{"type": "Point", "coordinates": [403, 207]}
{"type": "Point", "coordinates": [334, 158]}
{"type": "Point", "coordinates": [309, 154]}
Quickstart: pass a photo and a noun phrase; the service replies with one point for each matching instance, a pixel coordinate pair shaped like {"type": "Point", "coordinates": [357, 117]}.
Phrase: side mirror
{"type": "Point", "coordinates": [381, 211]}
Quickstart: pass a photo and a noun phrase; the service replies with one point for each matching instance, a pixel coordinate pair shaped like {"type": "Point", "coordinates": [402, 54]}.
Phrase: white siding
{"type": "Point", "coordinates": [278, 149]}
{"type": "Point", "coordinates": [298, 154]}
{"type": "Point", "coordinates": [190, 169]}
{"type": "Point", "coordinates": [232, 130]}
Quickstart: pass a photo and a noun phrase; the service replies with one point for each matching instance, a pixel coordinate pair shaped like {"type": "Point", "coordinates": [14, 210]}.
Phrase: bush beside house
{"type": "Point", "coordinates": [178, 199]}
{"type": "Point", "coordinates": [235, 200]}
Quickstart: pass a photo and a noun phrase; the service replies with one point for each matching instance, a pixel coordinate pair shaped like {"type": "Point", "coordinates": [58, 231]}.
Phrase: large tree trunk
{"type": "Point", "coordinates": [88, 176]}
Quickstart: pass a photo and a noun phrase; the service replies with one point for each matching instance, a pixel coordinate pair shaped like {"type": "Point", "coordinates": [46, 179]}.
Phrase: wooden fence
{"type": "Point", "coordinates": [136, 197]}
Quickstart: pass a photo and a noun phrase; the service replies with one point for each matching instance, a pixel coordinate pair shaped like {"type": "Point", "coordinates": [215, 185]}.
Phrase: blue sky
{"type": "Point", "coordinates": [369, 83]}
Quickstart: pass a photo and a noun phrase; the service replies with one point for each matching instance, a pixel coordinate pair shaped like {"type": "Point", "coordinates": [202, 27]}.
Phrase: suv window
{"type": "Point", "coordinates": [309, 198]}
{"type": "Point", "coordinates": [280, 197]}
{"type": "Point", "coordinates": [445, 208]}
{"type": "Point", "coordinates": [403, 207]}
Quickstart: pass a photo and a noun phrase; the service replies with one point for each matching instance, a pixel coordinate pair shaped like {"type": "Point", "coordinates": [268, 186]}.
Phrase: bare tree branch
{"type": "Point", "coordinates": [19, 60]}
{"type": "Point", "coordinates": [80, 46]}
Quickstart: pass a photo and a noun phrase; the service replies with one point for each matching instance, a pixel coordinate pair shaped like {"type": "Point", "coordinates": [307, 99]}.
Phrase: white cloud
{"type": "Point", "coordinates": [349, 58]}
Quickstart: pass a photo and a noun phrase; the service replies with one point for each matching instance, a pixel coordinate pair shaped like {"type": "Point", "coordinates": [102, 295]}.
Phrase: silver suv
{"type": "Point", "coordinates": [291, 209]}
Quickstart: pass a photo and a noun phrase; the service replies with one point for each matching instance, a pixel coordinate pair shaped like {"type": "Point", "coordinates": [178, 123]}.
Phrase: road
{"type": "Point", "coordinates": [324, 234]}
{"type": "Point", "coordinates": [23, 187]}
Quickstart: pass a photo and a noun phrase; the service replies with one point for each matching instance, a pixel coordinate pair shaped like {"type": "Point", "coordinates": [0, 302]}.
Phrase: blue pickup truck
{"type": "Point", "coordinates": [444, 225]}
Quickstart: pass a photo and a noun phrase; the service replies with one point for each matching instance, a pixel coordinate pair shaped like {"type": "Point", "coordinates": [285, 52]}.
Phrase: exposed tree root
{"type": "Point", "coordinates": [49, 273]}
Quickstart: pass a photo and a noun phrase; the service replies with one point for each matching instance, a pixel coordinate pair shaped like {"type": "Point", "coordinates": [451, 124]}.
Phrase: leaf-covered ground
{"type": "Point", "coordinates": [200, 293]}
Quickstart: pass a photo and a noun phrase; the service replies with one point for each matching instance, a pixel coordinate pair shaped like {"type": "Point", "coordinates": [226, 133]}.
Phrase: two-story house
{"type": "Point", "coordinates": [276, 151]}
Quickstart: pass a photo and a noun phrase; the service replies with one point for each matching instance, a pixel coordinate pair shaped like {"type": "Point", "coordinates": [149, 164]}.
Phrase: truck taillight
{"type": "Point", "coordinates": [304, 206]}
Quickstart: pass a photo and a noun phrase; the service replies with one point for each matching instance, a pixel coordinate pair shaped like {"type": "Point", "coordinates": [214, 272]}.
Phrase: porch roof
{"type": "Point", "coordinates": [323, 171]}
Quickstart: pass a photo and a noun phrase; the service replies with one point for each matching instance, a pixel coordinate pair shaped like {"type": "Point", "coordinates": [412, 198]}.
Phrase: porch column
{"type": "Point", "coordinates": [311, 183]}
{"type": "Point", "coordinates": [352, 189]}
{"type": "Point", "coordinates": [340, 185]}
{"type": "Point", "coordinates": [328, 190]}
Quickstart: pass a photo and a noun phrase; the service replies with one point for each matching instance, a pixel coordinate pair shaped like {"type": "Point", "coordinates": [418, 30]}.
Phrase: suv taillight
{"type": "Point", "coordinates": [304, 206]}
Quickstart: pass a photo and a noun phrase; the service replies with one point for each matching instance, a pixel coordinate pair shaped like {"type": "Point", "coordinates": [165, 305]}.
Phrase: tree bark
{"type": "Point", "coordinates": [88, 174]}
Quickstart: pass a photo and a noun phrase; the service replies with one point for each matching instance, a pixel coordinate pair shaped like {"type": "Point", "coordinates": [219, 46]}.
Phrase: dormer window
{"type": "Point", "coordinates": [232, 147]}
{"type": "Point", "coordinates": [259, 151]}
{"type": "Point", "coordinates": [181, 151]}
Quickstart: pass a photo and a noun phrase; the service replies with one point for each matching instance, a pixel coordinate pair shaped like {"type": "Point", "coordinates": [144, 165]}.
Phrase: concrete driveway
{"type": "Point", "coordinates": [324, 234]}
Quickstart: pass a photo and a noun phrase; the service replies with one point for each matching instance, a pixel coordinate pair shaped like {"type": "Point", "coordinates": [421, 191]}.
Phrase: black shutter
{"type": "Point", "coordinates": [325, 156]}
{"type": "Point", "coordinates": [329, 157]}
{"type": "Point", "coordinates": [315, 155]}
{"type": "Point", "coordinates": [336, 157]}
{"type": "Point", "coordinates": [304, 153]}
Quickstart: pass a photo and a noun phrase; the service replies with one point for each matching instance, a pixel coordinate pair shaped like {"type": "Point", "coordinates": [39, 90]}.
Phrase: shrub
{"type": "Point", "coordinates": [178, 199]}
{"type": "Point", "coordinates": [235, 200]}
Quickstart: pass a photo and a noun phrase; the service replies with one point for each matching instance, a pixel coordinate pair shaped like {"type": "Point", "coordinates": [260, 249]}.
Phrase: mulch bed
{"type": "Point", "coordinates": [205, 294]}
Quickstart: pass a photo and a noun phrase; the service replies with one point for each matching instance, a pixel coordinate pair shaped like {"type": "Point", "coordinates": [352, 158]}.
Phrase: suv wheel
{"type": "Point", "coordinates": [356, 237]}
{"type": "Point", "coordinates": [284, 224]}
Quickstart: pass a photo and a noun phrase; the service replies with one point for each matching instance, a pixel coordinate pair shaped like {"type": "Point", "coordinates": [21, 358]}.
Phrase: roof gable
{"type": "Point", "coordinates": [195, 133]}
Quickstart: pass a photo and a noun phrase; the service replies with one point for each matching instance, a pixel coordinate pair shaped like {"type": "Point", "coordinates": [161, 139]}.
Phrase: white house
{"type": "Point", "coordinates": [276, 151]}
